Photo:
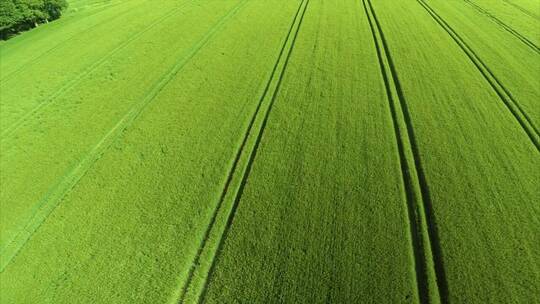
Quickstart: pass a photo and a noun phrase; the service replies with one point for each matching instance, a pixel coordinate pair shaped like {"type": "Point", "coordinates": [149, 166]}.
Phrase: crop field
{"type": "Point", "coordinates": [272, 151]}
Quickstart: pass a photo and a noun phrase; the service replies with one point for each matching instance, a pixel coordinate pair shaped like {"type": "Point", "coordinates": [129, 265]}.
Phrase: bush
{"type": "Point", "coordinates": [21, 15]}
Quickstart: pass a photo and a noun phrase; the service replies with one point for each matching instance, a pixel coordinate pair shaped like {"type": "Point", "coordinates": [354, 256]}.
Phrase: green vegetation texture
{"type": "Point", "coordinates": [247, 151]}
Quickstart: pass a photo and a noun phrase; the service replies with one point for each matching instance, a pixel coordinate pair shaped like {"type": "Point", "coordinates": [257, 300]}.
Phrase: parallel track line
{"type": "Point", "coordinates": [70, 180]}
{"type": "Point", "coordinates": [276, 83]}
{"type": "Point", "coordinates": [8, 77]}
{"type": "Point", "coordinates": [504, 94]}
{"type": "Point", "coordinates": [22, 40]}
{"type": "Point", "coordinates": [70, 84]}
{"type": "Point", "coordinates": [425, 243]}
{"type": "Point", "coordinates": [506, 27]}
{"type": "Point", "coordinates": [523, 10]}
{"type": "Point", "coordinates": [233, 168]}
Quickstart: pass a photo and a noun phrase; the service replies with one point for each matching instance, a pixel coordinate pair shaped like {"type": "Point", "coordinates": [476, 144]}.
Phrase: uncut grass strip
{"type": "Point", "coordinates": [70, 84]}
{"type": "Point", "coordinates": [429, 266]}
{"type": "Point", "coordinates": [70, 180]}
{"type": "Point", "coordinates": [504, 95]}
{"type": "Point", "coordinates": [523, 10]}
{"type": "Point", "coordinates": [275, 77]}
{"type": "Point", "coordinates": [250, 160]}
{"type": "Point", "coordinates": [8, 77]}
{"type": "Point", "coordinates": [509, 29]}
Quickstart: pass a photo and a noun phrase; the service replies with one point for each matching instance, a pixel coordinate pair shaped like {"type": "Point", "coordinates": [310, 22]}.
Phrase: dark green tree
{"type": "Point", "coordinates": [21, 15]}
{"type": "Point", "coordinates": [54, 8]}
{"type": "Point", "coordinates": [9, 16]}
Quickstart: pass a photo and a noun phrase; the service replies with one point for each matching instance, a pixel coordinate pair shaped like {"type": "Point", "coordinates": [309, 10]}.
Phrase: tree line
{"type": "Point", "coordinates": [21, 15]}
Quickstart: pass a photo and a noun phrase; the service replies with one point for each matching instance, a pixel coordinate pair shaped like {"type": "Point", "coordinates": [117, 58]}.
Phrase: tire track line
{"type": "Point", "coordinates": [509, 29]}
{"type": "Point", "coordinates": [70, 84]}
{"type": "Point", "coordinates": [523, 10]}
{"type": "Point", "coordinates": [49, 203]}
{"type": "Point", "coordinates": [504, 95]}
{"type": "Point", "coordinates": [241, 167]}
{"type": "Point", "coordinates": [429, 268]}
{"type": "Point", "coordinates": [29, 63]}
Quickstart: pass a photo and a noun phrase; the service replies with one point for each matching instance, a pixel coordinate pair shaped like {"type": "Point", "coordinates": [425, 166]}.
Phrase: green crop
{"type": "Point", "coordinates": [244, 151]}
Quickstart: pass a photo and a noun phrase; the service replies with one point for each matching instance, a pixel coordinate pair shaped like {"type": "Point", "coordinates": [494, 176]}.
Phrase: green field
{"type": "Point", "coordinates": [250, 151]}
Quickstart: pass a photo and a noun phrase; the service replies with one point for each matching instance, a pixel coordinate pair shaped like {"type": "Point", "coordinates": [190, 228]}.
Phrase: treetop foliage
{"type": "Point", "coordinates": [21, 15]}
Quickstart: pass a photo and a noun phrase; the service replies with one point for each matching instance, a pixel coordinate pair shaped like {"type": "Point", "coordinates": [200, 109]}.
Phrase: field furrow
{"type": "Point", "coordinates": [182, 115]}
{"type": "Point", "coordinates": [196, 284]}
{"type": "Point", "coordinates": [66, 182]}
{"type": "Point", "coordinates": [307, 206]}
{"type": "Point", "coordinates": [511, 69]}
{"type": "Point", "coordinates": [78, 110]}
{"type": "Point", "coordinates": [430, 276]}
{"type": "Point", "coordinates": [513, 106]}
{"type": "Point", "coordinates": [16, 56]}
{"type": "Point", "coordinates": [530, 8]}
{"type": "Point", "coordinates": [508, 28]}
{"type": "Point", "coordinates": [276, 151]}
{"type": "Point", "coordinates": [514, 16]}
{"type": "Point", "coordinates": [18, 107]}
{"type": "Point", "coordinates": [481, 170]}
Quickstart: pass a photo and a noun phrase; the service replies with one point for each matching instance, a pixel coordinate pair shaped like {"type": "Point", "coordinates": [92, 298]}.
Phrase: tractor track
{"type": "Point", "coordinates": [504, 94]}
{"type": "Point", "coordinates": [506, 27]}
{"type": "Point", "coordinates": [8, 77]}
{"type": "Point", "coordinates": [270, 93]}
{"type": "Point", "coordinates": [429, 267]}
{"type": "Point", "coordinates": [523, 10]}
{"type": "Point", "coordinates": [67, 182]}
{"type": "Point", "coordinates": [70, 84]}
{"type": "Point", "coordinates": [241, 151]}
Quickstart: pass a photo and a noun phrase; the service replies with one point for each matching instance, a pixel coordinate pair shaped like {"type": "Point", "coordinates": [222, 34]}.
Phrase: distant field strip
{"type": "Point", "coordinates": [498, 49]}
{"type": "Point", "coordinates": [83, 4]}
{"type": "Point", "coordinates": [513, 106]}
{"type": "Point", "coordinates": [15, 57]}
{"type": "Point", "coordinates": [525, 24]}
{"type": "Point", "coordinates": [525, 11]}
{"type": "Point", "coordinates": [6, 77]}
{"type": "Point", "coordinates": [14, 104]}
{"type": "Point", "coordinates": [431, 280]}
{"type": "Point", "coordinates": [31, 153]}
{"type": "Point", "coordinates": [49, 203]}
{"type": "Point", "coordinates": [505, 26]}
{"type": "Point", "coordinates": [75, 80]}
{"type": "Point", "coordinates": [194, 292]}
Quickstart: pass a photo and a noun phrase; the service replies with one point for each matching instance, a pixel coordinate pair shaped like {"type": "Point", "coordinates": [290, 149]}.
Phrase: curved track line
{"type": "Point", "coordinates": [275, 75]}
{"type": "Point", "coordinates": [523, 10]}
{"type": "Point", "coordinates": [504, 95]}
{"type": "Point", "coordinates": [429, 267]}
{"type": "Point", "coordinates": [250, 160]}
{"type": "Point", "coordinates": [48, 204]}
{"type": "Point", "coordinates": [506, 27]}
{"type": "Point", "coordinates": [8, 77]}
{"type": "Point", "coordinates": [70, 84]}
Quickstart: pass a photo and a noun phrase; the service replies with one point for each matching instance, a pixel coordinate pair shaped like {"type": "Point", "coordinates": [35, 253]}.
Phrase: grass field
{"type": "Point", "coordinates": [249, 151]}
